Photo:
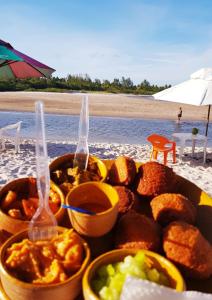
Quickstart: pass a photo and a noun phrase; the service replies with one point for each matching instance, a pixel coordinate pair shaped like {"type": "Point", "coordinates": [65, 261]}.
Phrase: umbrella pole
{"type": "Point", "coordinates": [208, 119]}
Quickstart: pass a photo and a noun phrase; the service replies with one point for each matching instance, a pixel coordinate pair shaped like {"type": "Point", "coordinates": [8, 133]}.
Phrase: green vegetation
{"type": "Point", "coordinates": [80, 83]}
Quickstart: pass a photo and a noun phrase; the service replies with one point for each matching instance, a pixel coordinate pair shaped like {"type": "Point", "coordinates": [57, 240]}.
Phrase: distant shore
{"type": "Point", "coordinates": [100, 104]}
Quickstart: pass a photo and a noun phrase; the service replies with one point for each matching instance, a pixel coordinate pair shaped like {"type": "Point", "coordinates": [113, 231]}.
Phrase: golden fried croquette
{"type": "Point", "coordinates": [172, 207]}
{"type": "Point", "coordinates": [184, 245]}
{"type": "Point", "coordinates": [126, 199]}
{"type": "Point", "coordinates": [154, 179]}
{"type": "Point", "coordinates": [122, 171]}
{"type": "Point", "coordinates": [137, 231]}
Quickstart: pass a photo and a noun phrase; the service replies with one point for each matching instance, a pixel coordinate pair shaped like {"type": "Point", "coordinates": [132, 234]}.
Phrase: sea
{"type": "Point", "coordinates": [101, 129]}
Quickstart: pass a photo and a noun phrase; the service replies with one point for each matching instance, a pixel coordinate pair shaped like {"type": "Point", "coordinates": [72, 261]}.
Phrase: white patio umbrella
{"type": "Point", "coordinates": [196, 91]}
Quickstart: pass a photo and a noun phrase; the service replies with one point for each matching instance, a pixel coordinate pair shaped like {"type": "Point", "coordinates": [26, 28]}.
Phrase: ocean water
{"type": "Point", "coordinates": [101, 129]}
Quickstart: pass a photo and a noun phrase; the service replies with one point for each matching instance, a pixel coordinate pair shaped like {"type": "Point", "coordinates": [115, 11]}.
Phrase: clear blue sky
{"type": "Point", "coordinates": [163, 41]}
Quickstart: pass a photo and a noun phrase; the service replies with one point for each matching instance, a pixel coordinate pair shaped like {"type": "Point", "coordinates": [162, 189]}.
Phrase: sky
{"type": "Point", "coordinates": [162, 41]}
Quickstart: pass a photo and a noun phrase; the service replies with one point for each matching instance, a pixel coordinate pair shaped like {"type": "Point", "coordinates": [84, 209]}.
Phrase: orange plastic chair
{"type": "Point", "coordinates": [162, 144]}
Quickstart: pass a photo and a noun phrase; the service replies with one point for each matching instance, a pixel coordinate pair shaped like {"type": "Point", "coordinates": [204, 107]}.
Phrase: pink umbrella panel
{"type": "Point", "coordinates": [14, 64]}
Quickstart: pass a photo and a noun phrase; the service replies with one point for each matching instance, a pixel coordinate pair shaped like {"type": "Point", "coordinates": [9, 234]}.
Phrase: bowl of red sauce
{"type": "Point", "coordinates": [99, 198]}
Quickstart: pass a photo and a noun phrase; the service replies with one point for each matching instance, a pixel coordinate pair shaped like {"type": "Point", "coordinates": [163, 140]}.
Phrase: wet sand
{"type": "Point", "coordinates": [111, 105]}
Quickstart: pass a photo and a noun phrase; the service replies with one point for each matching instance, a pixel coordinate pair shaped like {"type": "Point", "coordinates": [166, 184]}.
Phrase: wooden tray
{"type": "Point", "coordinates": [204, 223]}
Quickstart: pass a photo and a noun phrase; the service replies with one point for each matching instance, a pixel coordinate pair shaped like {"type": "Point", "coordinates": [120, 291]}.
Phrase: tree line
{"type": "Point", "coordinates": [80, 83]}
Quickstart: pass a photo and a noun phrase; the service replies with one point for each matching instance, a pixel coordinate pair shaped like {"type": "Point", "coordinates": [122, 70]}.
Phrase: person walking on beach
{"type": "Point", "coordinates": [180, 114]}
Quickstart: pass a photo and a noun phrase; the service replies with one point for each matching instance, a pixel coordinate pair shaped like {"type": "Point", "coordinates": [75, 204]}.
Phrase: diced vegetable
{"type": "Point", "coordinates": [110, 278]}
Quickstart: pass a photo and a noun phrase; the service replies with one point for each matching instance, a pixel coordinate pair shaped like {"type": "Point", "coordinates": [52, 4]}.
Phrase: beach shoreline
{"type": "Point", "coordinates": [22, 164]}
{"type": "Point", "coordinates": [120, 106]}
{"type": "Point", "coordinates": [100, 104]}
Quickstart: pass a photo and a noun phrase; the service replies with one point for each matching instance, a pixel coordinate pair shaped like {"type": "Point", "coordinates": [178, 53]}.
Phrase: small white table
{"type": "Point", "coordinates": [183, 137]}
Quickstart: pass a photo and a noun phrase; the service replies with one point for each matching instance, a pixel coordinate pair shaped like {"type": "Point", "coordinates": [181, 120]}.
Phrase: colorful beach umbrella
{"type": "Point", "coordinates": [196, 91]}
{"type": "Point", "coordinates": [14, 64]}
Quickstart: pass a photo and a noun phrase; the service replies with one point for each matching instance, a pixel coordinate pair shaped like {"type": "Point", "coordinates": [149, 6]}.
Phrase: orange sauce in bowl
{"type": "Point", "coordinates": [95, 207]}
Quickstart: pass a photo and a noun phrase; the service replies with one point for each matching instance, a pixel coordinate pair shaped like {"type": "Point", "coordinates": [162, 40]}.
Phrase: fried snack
{"type": "Point", "coordinates": [54, 274]}
{"type": "Point", "coordinates": [122, 171]}
{"type": "Point", "coordinates": [167, 208]}
{"type": "Point", "coordinates": [45, 262]}
{"type": "Point", "coordinates": [9, 199]}
{"type": "Point", "coordinates": [66, 187]}
{"type": "Point", "coordinates": [154, 179]}
{"type": "Point", "coordinates": [22, 202]}
{"type": "Point", "coordinates": [126, 199]}
{"type": "Point", "coordinates": [137, 231]}
{"type": "Point", "coordinates": [184, 245]}
{"type": "Point", "coordinates": [29, 207]}
{"type": "Point", "coordinates": [68, 176]}
{"type": "Point", "coordinates": [55, 198]}
{"type": "Point", "coordinates": [59, 176]}
{"type": "Point", "coordinates": [15, 213]}
{"type": "Point", "coordinates": [32, 187]}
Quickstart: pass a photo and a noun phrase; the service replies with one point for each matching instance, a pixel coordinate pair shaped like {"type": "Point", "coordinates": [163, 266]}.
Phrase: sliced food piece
{"type": "Point", "coordinates": [54, 207]}
{"type": "Point", "coordinates": [32, 187]}
{"type": "Point", "coordinates": [122, 171]}
{"type": "Point", "coordinates": [10, 197]}
{"type": "Point", "coordinates": [15, 213]}
{"type": "Point", "coordinates": [29, 207]}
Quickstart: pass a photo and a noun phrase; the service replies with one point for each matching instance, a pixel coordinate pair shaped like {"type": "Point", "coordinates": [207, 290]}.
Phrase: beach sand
{"type": "Point", "coordinates": [114, 105]}
{"type": "Point", "coordinates": [23, 164]}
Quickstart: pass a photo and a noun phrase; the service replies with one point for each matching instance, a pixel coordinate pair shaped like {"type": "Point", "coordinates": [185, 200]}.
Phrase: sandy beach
{"type": "Point", "coordinates": [100, 104]}
{"type": "Point", "coordinates": [23, 164]}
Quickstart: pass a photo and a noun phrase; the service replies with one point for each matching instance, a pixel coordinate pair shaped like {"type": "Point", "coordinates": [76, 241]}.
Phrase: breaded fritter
{"type": "Point", "coordinates": [167, 208]}
{"type": "Point", "coordinates": [185, 245]}
{"type": "Point", "coordinates": [137, 231]}
{"type": "Point", "coordinates": [122, 171]}
{"type": "Point", "coordinates": [126, 199]}
{"type": "Point", "coordinates": [154, 179]}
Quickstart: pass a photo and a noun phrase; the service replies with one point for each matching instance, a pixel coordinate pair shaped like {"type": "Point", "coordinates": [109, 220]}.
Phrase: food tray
{"type": "Point", "coordinates": [204, 223]}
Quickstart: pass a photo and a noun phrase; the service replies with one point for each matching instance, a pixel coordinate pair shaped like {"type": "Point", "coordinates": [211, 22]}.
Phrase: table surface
{"type": "Point", "coordinates": [183, 136]}
{"type": "Point", "coordinates": [189, 136]}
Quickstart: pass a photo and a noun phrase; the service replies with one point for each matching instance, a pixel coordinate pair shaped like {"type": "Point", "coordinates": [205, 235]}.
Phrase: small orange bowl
{"type": "Point", "coordinates": [98, 197]}
{"type": "Point", "coordinates": [152, 259]}
{"type": "Point", "coordinates": [16, 289]}
{"type": "Point", "coordinates": [67, 160]}
{"type": "Point", "coordinates": [13, 225]}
